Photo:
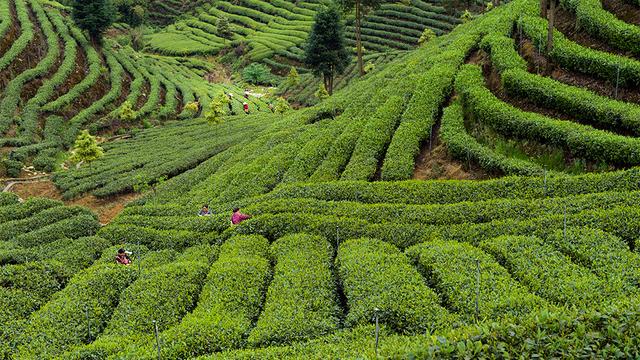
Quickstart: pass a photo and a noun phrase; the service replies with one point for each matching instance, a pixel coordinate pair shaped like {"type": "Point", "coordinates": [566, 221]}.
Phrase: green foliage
{"type": "Point", "coordinates": [258, 74]}
{"type": "Point", "coordinates": [282, 106]}
{"type": "Point", "coordinates": [164, 294]}
{"type": "Point", "coordinates": [583, 141]}
{"type": "Point", "coordinates": [450, 268]}
{"type": "Point", "coordinates": [154, 239]}
{"type": "Point", "coordinates": [12, 167]}
{"type": "Point", "coordinates": [369, 67]}
{"type": "Point", "coordinates": [600, 23]}
{"type": "Point", "coordinates": [374, 138]}
{"type": "Point", "coordinates": [229, 303]}
{"type": "Point", "coordinates": [587, 107]}
{"type": "Point", "coordinates": [466, 148]}
{"type": "Point", "coordinates": [299, 305]}
{"type": "Point", "coordinates": [191, 109]}
{"type": "Point", "coordinates": [217, 109]}
{"type": "Point", "coordinates": [7, 198]}
{"type": "Point", "coordinates": [127, 114]}
{"type": "Point", "coordinates": [293, 79]}
{"type": "Point", "coordinates": [371, 130]}
{"type": "Point", "coordinates": [62, 323]}
{"type": "Point", "coordinates": [466, 16]}
{"type": "Point", "coordinates": [376, 275]}
{"type": "Point", "coordinates": [582, 59]}
{"type": "Point", "coordinates": [94, 16]}
{"type": "Point", "coordinates": [547, 272]}
{"type": "Point", "coordinates": [322, 92]}
{"type": "Point", "coordinates": [86, 148]}
{"type": "Point", "coordinates": [606, 255]}
{"type": "Point", "coordinates": [419, 118]}
{"type": "Point", "coordinates": [325, 52]}
{"type": "Point", "coordinates": [29, 229]}
{"type": "Point", "coordinates": [426, 36]}
{"type": "Point", "coordinates": [222, 27]}
{"type": "Point", "coordinates": [503, 52]}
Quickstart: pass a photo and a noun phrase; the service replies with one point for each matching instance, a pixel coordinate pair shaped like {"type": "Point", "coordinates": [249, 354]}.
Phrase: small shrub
{"type": "Point", "coordinates": [257, 74]}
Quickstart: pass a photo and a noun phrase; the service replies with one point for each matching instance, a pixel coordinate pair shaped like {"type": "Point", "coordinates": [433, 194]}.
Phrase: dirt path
{"type": "Point", "coordinates": [106, 209]}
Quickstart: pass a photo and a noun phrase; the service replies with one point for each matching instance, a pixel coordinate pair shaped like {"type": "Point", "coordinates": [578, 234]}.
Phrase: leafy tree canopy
{"type": "Point", "coordinates": [94, 16]}
{"type": "Point", "coordinates": [325, 52]}
{"type": "Point", "coordinates": [86, 149]}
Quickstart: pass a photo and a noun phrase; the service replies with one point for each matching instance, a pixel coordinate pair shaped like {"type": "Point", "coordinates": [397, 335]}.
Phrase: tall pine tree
{"type": "Point", "coordinates": [325, 52]}
{"type": "Point", "coordinates": [94, 16]}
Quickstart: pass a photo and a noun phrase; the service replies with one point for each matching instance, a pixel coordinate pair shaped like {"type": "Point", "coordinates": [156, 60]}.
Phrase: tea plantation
{"type": "Point", "coordinates": [349, 252]}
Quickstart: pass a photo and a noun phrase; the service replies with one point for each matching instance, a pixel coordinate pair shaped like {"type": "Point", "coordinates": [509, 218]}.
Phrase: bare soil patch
{"type": "Point", "coordinates": [623, 10]}
{"type": "Point", "coordinates": [106, 209]}
{"type": "Point", "coordinates": [437, 164]}
{"type": "Point", "coordinates": [540, 64]}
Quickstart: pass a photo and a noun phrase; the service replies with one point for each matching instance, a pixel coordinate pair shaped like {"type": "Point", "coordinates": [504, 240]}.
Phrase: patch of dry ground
{"type": "Point", "coordinates": [106, 209]}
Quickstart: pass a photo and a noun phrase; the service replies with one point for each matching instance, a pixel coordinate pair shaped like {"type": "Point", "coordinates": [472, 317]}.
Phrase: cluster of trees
{"type": "Point", "coordinates": [95, 16]}
{"type": "Point", "coordinates": [326, 53]}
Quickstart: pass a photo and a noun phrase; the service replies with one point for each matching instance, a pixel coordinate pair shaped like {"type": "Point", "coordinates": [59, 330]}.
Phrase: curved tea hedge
{"type": "Point", "coordinates": [337, 228]}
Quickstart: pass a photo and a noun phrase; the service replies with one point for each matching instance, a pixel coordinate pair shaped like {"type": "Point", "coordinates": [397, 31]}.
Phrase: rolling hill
{"type": "Point", "coordinates": [536, 256]}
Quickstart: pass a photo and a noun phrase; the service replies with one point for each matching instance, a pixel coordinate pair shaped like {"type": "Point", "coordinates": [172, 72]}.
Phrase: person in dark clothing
{"type": "Point", "coordinates": [204, 211]}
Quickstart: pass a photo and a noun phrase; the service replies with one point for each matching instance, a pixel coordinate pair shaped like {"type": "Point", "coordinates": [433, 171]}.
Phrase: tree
{"type": "Point", "coordinates": [322, 92]}
{"type": "Point", "coordinates": [325, 52]}
{"type": "Point", "coordinates": [191, 109]}
{"type": "Point", "coordinates": [222, 27]}
{"type": "Point", "coordinates": [127, 114]}
{"type": "Point", "coordinates": [293, 78]}
{"type": "Point", "coordinates": [466, 16]}
{"type": "Point", "coordinates": [257, 74]}
{"type": "Point", "coordinates": [361, 7]}
{"type": "Point", "coordinates": [551, 15]}
{"type": "Point", "coordinates": [94, 16]}
{"type": "Point", "coordinates": [282, 106]}
{"type": "Point", "coordinates": [369, 67]}
{"type": "Point", "coordinates": [86, 149]}
{"type": "Point", "coordinates": [218, 108]}
{"type": "Point", "coordinates": [427, 35]}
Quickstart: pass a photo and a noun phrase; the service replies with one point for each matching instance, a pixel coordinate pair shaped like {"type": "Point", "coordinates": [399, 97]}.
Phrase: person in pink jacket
{"type": "Point", "coordinates": [238, 217]}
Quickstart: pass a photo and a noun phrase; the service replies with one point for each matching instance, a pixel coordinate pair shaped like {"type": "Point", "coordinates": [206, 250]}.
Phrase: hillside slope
{"type": "Point", "coordinates": [54, 82]}
{"type": "Point", "coordinates": [279, 28]}
{"type": "Point", "coordinates": [541, 263]}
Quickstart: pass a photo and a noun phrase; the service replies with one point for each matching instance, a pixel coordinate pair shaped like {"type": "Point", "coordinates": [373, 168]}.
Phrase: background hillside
{"type": "Point", "coordinates": [532, 251]}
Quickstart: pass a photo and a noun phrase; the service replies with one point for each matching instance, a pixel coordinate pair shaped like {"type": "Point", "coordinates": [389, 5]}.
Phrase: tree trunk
{"type": "Point", "coordinates": [328, 83]}
{"type": "Point", "coordinates": [331, 84]}
{"type": "Point", "coordinates": [552, 20]}
{"type": "Point", "coordinates": [543, 8]}
{"type": "Point", "coordinates": [359, 37]}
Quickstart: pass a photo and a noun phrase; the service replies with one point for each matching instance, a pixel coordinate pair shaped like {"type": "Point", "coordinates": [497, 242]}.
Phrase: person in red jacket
{"type": "Point", "coordinates": [123, 258]}
{"type": "Point", "coordinates": [238, 217]}
{"type": "Point", "coordinates": [245, 106]}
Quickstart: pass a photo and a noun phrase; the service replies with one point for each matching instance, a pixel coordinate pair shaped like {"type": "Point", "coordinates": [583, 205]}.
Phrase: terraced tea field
{"type": "Point", "coordinates": [275, 31]}
{"type": "Point", "coordinates": [536, 257]}
{"type": "Point", "coordinates": [55, 82]}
